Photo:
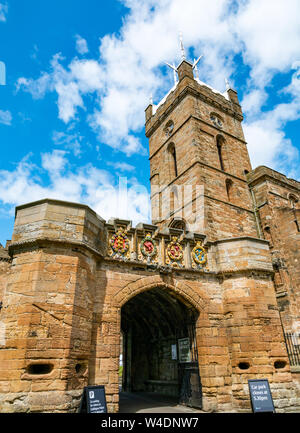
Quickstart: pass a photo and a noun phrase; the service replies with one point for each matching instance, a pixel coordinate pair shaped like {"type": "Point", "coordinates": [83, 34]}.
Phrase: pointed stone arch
{"type": "Point", "coordinates": [179, 289]}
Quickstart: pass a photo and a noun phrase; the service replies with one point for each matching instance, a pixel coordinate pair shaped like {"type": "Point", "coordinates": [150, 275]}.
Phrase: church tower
{"type": "Point", "coordinates": [199, 160]}
{"type": "Point", "coordinates": [189, 302]}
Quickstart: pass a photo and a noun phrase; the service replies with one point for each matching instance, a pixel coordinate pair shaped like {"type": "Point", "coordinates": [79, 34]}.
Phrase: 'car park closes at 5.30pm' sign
{"type": "Point", "coordinates": [260, 393]}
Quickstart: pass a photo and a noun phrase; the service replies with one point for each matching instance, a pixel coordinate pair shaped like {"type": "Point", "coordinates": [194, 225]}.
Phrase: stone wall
{"type": "Point", "coordinates": [47, 308]}
{"type": "Point", "coordinates": [280, 224]}
{"type": "Point", "coordinates": [68, 275]}
{"type": "Point", "coordinates": [4, 270]}
{"type": "Point", "coordinates": [63, 302]}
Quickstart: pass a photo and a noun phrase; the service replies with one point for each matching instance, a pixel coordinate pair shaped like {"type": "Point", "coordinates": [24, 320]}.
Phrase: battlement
{"type": "Point", "coordinates": [226, 102]}
{"type": "Point", "coordinates": [53, 221]}
{"type": "Point", "coordinates": [262, 172]}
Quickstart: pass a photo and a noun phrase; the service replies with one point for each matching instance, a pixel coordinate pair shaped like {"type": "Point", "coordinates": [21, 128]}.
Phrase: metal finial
{"type": "Point", "coordinates": [174, 71]}
{"type": "Point", "coordinates": [227, 84]}
{"type": "Point", "coordinates": [175, 74]}
{"type": "Point", "coordinates": [196, 67]}
{"type": "Point", "coordinates": [181, 47]}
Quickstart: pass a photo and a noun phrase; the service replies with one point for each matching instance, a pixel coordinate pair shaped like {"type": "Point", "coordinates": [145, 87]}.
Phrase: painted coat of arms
{"type": "Point", "coordinates": [199, 256]}
{"type": "Point", "coordinates": [174, 253]}
{"type": "Point", "coordinates": [119, 244]}
{"type": "Point", "coordinates": [148, 248]}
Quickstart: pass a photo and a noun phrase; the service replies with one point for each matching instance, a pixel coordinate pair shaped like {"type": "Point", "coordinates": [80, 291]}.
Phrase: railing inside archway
{"type": "Point", "coordinates": [191, 388]}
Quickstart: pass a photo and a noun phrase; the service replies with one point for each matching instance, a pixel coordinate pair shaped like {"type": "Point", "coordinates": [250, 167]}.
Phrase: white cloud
{"type": "Point", "coordinates": [88, 74]}
{"type": "Point", "coordinates": [3, 11]}
{"type": "Point", "coordinates": [270, 33]}
{"type": "Point", "coordinates": [127, 73]}
{"type": "Point", "coordinates": [54, 162]}
{"type": "Point", "coordinates": [70, 140]}
{"type": "Point", "coordinates": [34, 53]}
{"type": "Point", "coordinates": [70, 84]}
{"type": "Point", "coordinates": [267, 143]}
{"type": "Point", "coordinates": [268, 146]}
{"type": "Point", "coordinates": [253, 101]}
{"type": "Point", "coordinates": [81, 45]}
{"type": "Point", "coordinates": [5, 117]}
{"type": "Point", "coordinates": [69, 99]}
{"type": "Point", "coordinates": [37, 88]}
{"type": "Point", "coordinates": [122, 166]}
{"type": "Point", "coordinates": [86, 184]}
{"type": "Point", "coordinates": [266, 34]}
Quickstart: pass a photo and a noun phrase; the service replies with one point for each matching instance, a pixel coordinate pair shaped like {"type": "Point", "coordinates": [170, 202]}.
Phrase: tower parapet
{"type": "Point", "coordinates": [196, 142]}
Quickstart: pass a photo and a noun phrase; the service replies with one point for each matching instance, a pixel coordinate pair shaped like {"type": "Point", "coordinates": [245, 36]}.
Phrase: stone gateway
{"type": "Point", "coordinates": [197, 303]}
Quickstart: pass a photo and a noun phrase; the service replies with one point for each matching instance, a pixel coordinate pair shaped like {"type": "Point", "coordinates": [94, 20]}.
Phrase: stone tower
{"type": "Point", "coordinates": [189, 299]}
{"type": "Point", "coordinates": [199, 160]}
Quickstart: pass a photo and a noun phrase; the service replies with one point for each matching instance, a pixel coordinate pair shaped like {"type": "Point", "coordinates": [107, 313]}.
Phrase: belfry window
{"type": "Point", "coordinates": [220, 143]}
{"type": "Point", "coordinates": [172, 153]}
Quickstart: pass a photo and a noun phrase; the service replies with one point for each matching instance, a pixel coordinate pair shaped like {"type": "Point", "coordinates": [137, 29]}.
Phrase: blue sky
{"type": "Point", "coordinates": [79, 75]}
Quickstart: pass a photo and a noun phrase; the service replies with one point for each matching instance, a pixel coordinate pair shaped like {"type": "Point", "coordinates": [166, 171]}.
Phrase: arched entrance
{"type": "Point", "coordinates": [159, 346]}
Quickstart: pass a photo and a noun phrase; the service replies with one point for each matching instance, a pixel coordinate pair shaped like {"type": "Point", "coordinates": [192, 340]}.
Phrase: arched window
{"type": "Point", "coordinates": [172, 153]}
{"type": "Point", "coordinates": [293, 200]}
{"type": "Point", "coordinates": [229, 184]}
{"type": "Point", "coordinates": [220, 143]}
{"type": "Point", "coordinates": [268, 235]}
{"type": "Point", "coordinates": [178, 223]}
{"type": "Point", "coordinates": [169, 128]}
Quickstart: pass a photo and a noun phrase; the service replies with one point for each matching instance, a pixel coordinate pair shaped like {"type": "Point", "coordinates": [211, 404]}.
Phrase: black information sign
{"type": "Point", "coordinates": [93, 400]}
{"type": "Point", "coordinates": [260, 393]}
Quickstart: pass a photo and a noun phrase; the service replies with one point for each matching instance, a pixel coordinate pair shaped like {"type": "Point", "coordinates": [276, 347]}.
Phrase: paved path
{"type": "Point", "coordinates": [147, 402]}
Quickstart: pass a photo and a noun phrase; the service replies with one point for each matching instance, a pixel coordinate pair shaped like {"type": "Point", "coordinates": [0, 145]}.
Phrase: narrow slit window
{"type": "Point", "coordinates": [172, 152]}
{"type": "Point", "coordinates": [229, 189]}
{"type": "Point", "coordinates": [175, 161]}
{"type": "Point", "coordinates": [293, 200]}
{"type": "Point", "coordinates": [220, 142]}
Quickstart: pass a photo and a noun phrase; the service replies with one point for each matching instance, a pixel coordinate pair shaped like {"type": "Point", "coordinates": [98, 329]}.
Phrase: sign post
{"type": "Point", "coordinates": [93, 400]}
{"type": "Point", "coordinates": [261, 397]}
{"type": "Point", "coordinates": [184, 350]}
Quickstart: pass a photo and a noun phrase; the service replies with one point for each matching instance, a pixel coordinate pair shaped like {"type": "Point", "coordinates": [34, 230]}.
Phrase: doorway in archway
{"type": "Point", "coordinates": [159, 353]}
